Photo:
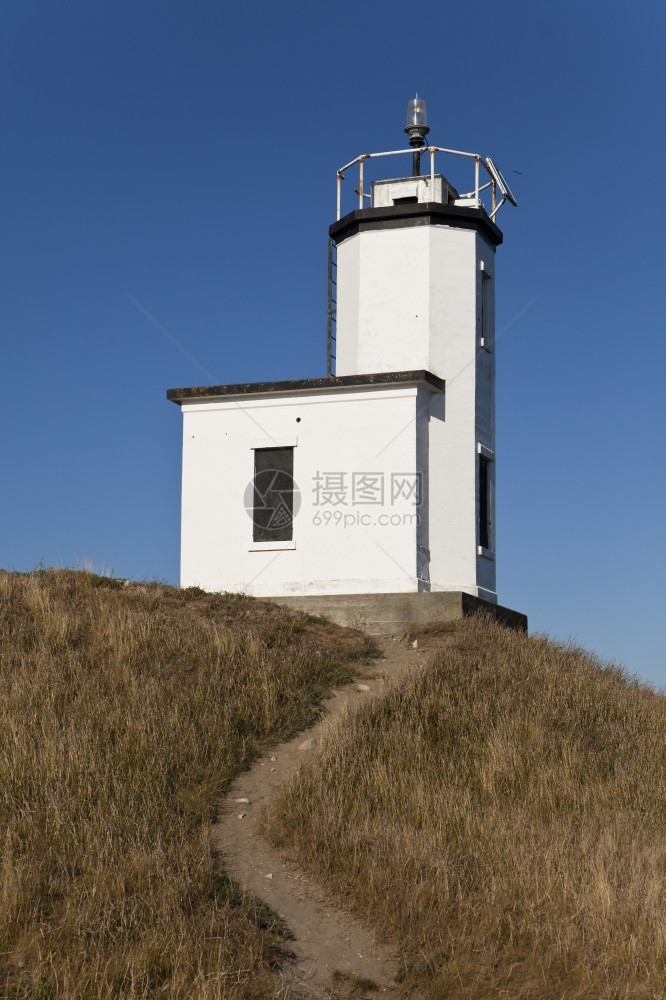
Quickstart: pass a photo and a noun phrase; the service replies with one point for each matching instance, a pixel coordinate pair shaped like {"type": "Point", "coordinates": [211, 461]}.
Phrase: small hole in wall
{"type": "Point", "coordinates": [298, 420]}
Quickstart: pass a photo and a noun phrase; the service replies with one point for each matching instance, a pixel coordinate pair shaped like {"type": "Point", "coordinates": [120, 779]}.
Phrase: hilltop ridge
{"type": "Point", "coordinates": [127, 709]}
{"type": "Point", "coordinates": [500, 815]}
{"type": "Point", "coordinates": [497, 816]}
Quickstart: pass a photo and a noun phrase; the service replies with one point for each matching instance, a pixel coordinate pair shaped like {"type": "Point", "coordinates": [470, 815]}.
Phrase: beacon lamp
{"type": "Point", "coordinates": [417, 129]}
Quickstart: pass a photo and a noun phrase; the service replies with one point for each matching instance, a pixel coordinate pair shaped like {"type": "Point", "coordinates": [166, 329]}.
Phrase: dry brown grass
{"type": "Point", "coordinates": [501, 816]}
{"type": "Point", "coordinates": [125, 711]}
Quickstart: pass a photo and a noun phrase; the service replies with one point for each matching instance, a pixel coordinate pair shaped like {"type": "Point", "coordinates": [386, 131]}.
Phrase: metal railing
{"type": "Point", "coordinates": [495, 180]}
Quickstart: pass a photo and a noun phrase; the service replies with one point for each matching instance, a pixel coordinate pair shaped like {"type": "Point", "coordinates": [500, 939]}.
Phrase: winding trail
{"type": "Point", "coordinates": [328, 942]}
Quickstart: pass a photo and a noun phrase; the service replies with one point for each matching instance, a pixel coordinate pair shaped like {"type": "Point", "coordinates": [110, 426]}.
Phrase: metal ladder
{"type": "Point", "coordinates": [332, 307]}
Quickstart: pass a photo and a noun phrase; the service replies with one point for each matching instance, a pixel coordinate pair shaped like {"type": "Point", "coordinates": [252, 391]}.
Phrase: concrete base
{"type": "Point", "coordinates": [391, 614]}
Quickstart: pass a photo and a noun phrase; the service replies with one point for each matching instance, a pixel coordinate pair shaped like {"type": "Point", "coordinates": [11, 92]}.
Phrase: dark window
{"type": "Point", "coordinates": [273, 510]}
{"type": "Point", "coordinates": [409, 200]}
{"type": "Point", "coordinates": [484, 502]}
{"type": "Point", "coordinates": [486, 310]}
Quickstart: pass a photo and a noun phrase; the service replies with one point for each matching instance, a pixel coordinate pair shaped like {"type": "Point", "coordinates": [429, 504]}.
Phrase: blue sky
{"type": "Point", "coordinates": [184, 154]}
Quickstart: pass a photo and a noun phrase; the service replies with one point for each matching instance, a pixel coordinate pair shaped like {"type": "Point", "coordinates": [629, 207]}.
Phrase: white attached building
{"type": "Point", "coordinates": [378, 479]}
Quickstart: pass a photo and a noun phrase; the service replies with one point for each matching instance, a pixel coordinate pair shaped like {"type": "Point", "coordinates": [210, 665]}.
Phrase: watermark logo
{"type": "Point", "coordinates": [272, 500]}
{"type": "Point", "coordinates": [364, 489]}
{"type": "Point", "coordinates": [362, 519]}
{"type": "Point", "coordinates": [366, 499]}
{"type": "Point", "coordinates": [338, 499]}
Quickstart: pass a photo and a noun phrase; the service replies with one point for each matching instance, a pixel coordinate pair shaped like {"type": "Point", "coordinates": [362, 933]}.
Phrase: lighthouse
{"type": "Point", "coordinates": [368, 494]}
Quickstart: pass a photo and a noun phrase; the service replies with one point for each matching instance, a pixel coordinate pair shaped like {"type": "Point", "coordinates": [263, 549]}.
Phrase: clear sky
{"type": "Point", "coordinates": [183, 155]}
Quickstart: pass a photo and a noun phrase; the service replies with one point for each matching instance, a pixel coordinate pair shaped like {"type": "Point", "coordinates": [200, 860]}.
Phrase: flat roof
{"type": "Point", "coordinates": [302, 385]}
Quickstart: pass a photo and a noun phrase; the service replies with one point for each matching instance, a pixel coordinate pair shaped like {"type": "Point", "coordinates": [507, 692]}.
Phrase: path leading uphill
{"type": "Point", "coordinates": [327, 941]}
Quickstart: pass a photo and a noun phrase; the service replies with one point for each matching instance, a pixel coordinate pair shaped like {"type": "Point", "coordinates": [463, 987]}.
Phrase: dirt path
{"type": "Point", "coordinates": [329, 944]}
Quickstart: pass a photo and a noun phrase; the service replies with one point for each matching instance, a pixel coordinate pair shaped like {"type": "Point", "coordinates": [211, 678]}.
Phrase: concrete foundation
{"type": "Point", "coordinates": [391, 614]}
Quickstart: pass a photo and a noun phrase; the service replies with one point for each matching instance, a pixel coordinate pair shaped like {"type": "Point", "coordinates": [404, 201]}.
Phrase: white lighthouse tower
{"type": "Point", "coordinates": [369, 494]}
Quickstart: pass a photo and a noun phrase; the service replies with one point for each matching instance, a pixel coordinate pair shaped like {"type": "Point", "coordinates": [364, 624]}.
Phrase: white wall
{"type": "Point", "coordinates": [412, 298]}
{"type": "Point", "coordinates": [383, 291]}
{"type": "Point", "coordinates": [406, 299]}
{"type": "Point", "coordinates": [485, 404]}
{"type": "Point", "coordinates": [350, 550]}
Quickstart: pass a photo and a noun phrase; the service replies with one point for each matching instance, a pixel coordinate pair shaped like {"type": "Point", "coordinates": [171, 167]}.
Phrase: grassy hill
{"type": "Point", "coordinates": [124, 711]}
{"type": "Point", "coordinates": [502, 816]}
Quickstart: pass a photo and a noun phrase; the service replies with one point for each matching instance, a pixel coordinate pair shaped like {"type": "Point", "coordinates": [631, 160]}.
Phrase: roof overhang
{"type": "Point", "coordinates": [431, 213]}
{"type": "Point", "coordinates": [294, 387]}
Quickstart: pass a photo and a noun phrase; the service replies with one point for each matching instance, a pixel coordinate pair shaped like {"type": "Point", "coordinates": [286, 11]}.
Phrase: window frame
{"type": "Point", "coordinates": [260, 542]}
{"type": "Point", "coordinates": [485, 520]}
{"type": "Point", "coordinates": [486, 324]}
